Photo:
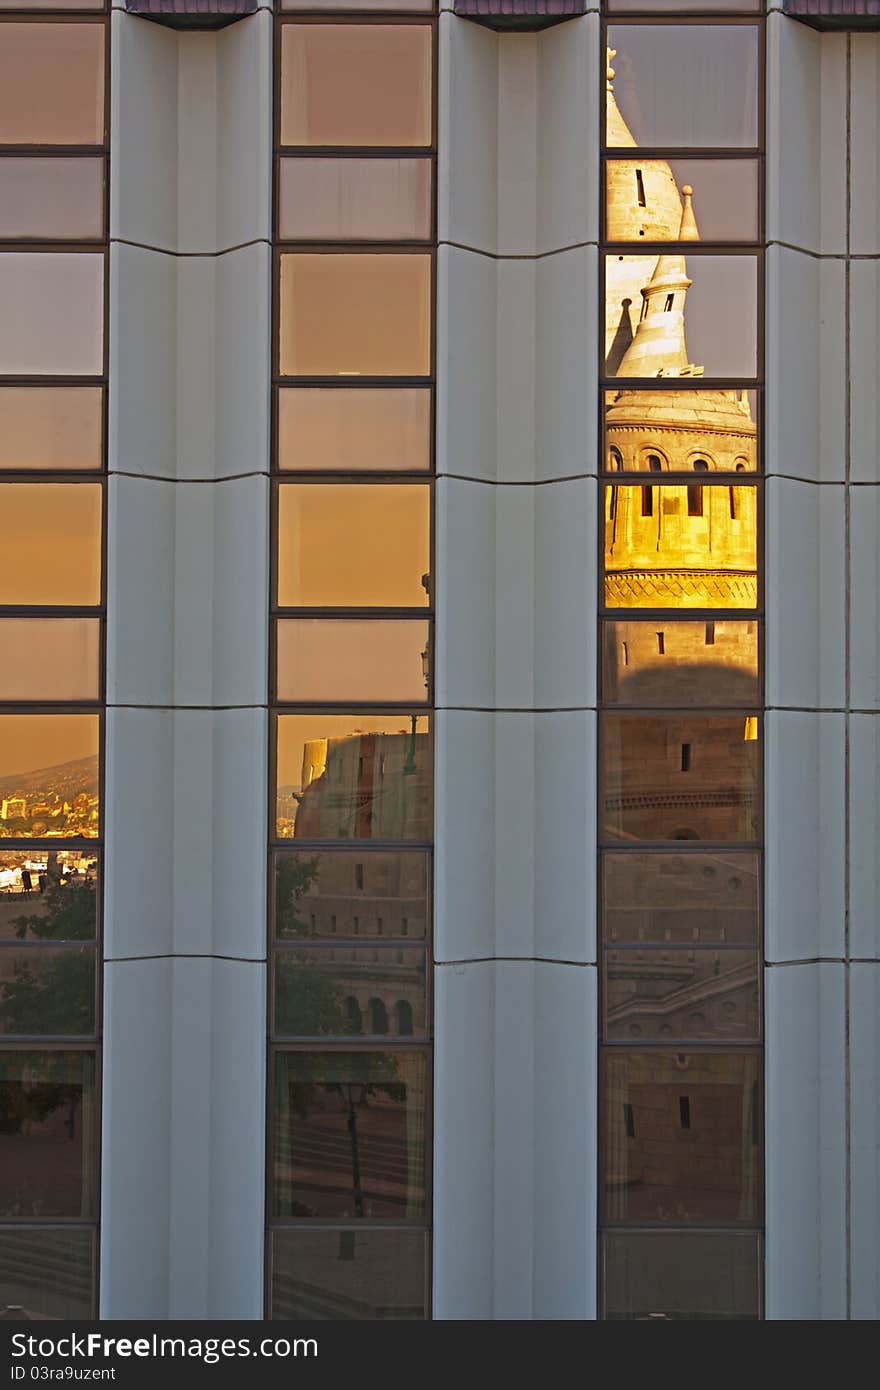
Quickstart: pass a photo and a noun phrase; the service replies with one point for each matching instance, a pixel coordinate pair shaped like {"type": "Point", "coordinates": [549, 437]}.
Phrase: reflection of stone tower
{"type": "Point", "coordinates": [680, 545]}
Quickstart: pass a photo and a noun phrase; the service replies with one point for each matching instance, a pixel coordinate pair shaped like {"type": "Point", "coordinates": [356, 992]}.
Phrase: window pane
{"type": "Point", "coordinates": [48, 1273]}
{"type": "Point", "coordinates": [350, 990]}
{"type": "Point", "coordinates": [354, 199]}
{"type": "Point", "coordinates": [681, 1137]}
{"type": "Point", "coordinates": [354, 428]}
{"type": "Point", "coordinates": [51, 312]}
{"type": "Point", "coordinates": [349, 1135]}
{"type": "Point", "coordinates": [354, 777]}
{"type": "Point", "coordinates": [645, 199]}
{"type": "Point", "coordinates": [659, 555]}
{"type": "Point", "coordinates": [658, 995]}
{"type": "Point", "coordinates": [48, 427]}
{"type": "Point", "coordinates": [47, 990]}
{"type": "Point", "coordinates": [48, 1152]}
{"type": "Point", "coordinates": [52, 84]}
{"type": "Point", "coordinates": [673, 663]}
{"type": "Point", "coordinates": [683, 85]}
{"type": "Point", "coordinates": [48, 775]}
{"type": "Point", "coordinates": [358, 546]}
{"type": "Point", "coordinates": [675, 1274]}
{"type": "Point", "coordinates": [52, 543]}
{"type": "Point", "coordinates": [681, 316]}
{"type": "Point", "coordinates": [355, 315]}
{"type": "Point", "coordinates": [348, 893]}
{"type": "Point", "coordinates": [352, 660]}
{"type": "Point", "coordinates": [50, 658]}
{"type": "Point", "coordinates": [48, 895]}
{"type": "Point", "coordinates": [356, 84]}
{"type": "Point", "coordinates": [695, 898]}
{"type": "Point", "coordinates": [680, 777]}
{"type": "Point", "coordinates": [679, 427]}
{"type": "Point", "coordinates": [52, 198]}
{"type": "Point", "coordinates": [342, 1275]}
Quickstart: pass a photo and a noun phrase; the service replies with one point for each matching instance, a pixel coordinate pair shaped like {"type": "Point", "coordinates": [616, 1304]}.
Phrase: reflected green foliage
{"type": "Point", "coordinates": [69, 913]}
{"type": "Point", "coordinates": [53, 992]}
{"type": "Point", "coordinates": [293, 878]}
{"type": "Point", "coordinates": [307, 1004]}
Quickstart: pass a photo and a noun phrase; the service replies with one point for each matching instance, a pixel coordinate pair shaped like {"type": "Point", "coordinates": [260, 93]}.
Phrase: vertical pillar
{"type": "Point", "coordinates": [183, 1153]}
{"type": "Point", "coordinates": [515, 977]}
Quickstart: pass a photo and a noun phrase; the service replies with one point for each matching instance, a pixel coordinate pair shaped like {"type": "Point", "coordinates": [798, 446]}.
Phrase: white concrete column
{"type": "Point", "coordinates": [515, 935]}
{"type": "Point", "coordinates": [823, 312]}
{"type": "Point", "coordinates": [185, 908]}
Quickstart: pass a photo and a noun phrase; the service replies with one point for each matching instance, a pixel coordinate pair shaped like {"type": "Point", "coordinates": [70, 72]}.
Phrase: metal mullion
{"type": "Point", "coordinates": [330, 615]}
{"type": "Point", "coordinates": [351, 1223]}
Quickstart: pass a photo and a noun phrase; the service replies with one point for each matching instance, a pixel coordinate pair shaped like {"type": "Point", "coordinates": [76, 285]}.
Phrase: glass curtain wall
{"type": "Point", "coordinates": [53, 381]}
{"type": "Point", "coordinates": [351, 785]}
{"type": "Point", "coordinates": [680, 655]}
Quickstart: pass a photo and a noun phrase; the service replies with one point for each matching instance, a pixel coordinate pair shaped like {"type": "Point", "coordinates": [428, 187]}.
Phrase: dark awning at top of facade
{"type": "Point", "coordinates": [835, 14]}
{"type": "Point", "coordinates": [519, 14]}
{"type": "Point", "coordinates": [192, 14]}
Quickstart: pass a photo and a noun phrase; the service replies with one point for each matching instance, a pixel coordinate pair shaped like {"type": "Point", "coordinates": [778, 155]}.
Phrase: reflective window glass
{"type": "Point", "coordinates": [664, 199]}
{"type": "Point", "coordinates": [700, 899]}
{"type": "Point", "coordinates": [349, 893]}
{"type": "Point", "coordinates": [680, 427]}
{"type": "Point", "coordinates": [360, 314]}
{"type": "Point", "coordinates": [52, 84]}
{"type": "Point", "coordinates": [354, 199]}
{"type": "Point", "coordinates": [51, 312]}
{"type": "Point", "coordinates": [48, 894]}
{"type": "Point", "coordinates": [50, 659]}
{"type": "Point", "coordinates": [680, 777]}
{"type": "Point", "coordinates": [345, 1275]}
{"type": "Point", "coordinates": [49, 1273]}
{"type": "Point", "coordinates": [681, 316]}
{"type": "Point", "coordinates": [349, 1135]}
{"type": "Point", "coordinates": [683, 85]}
{"type": "Point", "coordinates": [674, 1275]}
{"type": "Point", "coordinates": [680, 663]}
{"type": "Point", "coordinates": [352, 428]}
{"type": "Point", "coordinates": [358, 546]}
{"type": "Point", "coordinates": [659, 555]}
{"type": "Point", "coordinates": [659, 995]}
{"type": "Point", "coordinates": [46, 198]}
{"type": "Point", "coordinates": [49, 427]}
{"type": "Point", "coordinates": [48, 1149]}
{"type": "Point", "coordinates": [51, 543]}
{"type": "Point", "coordinates": [358, 777]}
{"type": "Point", "coordinates": [48, 990]}
{"type": "Point", "coordinates": [350, 991]}
{"type": "Point", "coordinates": [349, 659]}
{"type": "Point", "coordinates": [49, 775]}
{"type": "Point", "coordinates": [681, 1138]}
{"type": "Point", "coordinates": [356, 84]}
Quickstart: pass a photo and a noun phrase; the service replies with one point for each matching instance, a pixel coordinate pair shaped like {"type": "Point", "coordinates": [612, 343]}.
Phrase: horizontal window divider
{"type": "Point", "coordinates": [680, 383]}
{"type": "Point", "coordinates": [654, 946]}
{"type": "Point", "coordinates": [378, 943]}
{"type": "Point", "coordinates": [51, 610]}
{"type": "Point", "coordinates": [352, 707]}
{"type": "Point", "coordinates": [360, 846]}
{"type": "Point", "coordinates": [357, 1043]}
{"type": "Point", "coordinates": [377, 1041]}
{"type": "Point", "coordinates": [34, 1041]}
{"type": "Point", "coordinates": [360, 476]}
{"type": "Point", "coordinates": [353, 1223]}
{"type": "Point", "coordinates": [715, 711]}
{"type": "Point", "coordinates": [343, 614]}
{"type": "Point", "coordinates": [705, 246]}
{"type": "Point", "coordinates": [55, 475]}
{"type": "Point", "coordinates": [72, 246]}
{"type": "Point", "coordinates": [681, 615]}
{"type": "Point", "coordinates": [79, 1044]}
{"type": "Point", "coordinates": [15, 844]}
{"type": "Point", "coordinates": [48, 1223]}
{"type": "Point", "coordinates": [344, 16]}
{"type": "Point", "coordinates": [41, 943]}
{"type": "Point", "coordinates": [428, 152]}
{"type": "Point", "coordinates": [680, 846]}
{"type": "Point", "coordinates": [343, 381]}
{"type": "Point", "coordinates": [636, 154]}
{"type": "Point", "coordinates": [678, 478]}
{"type": "Point", "coordinates": [53, 151]}
{"type": "Point", "coordinates": [340, 247]}
{"type": "Point", "coordinates": [685, 1047]}
{"type": "Point", "coordinates": [678, 1229]}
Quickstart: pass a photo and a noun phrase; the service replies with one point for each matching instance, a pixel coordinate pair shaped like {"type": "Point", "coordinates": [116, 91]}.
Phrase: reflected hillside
{"type": "Point", "coordinates": [59, 800]}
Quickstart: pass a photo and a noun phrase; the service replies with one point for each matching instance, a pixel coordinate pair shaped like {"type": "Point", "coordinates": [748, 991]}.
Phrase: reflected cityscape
{"type": "Point", "coordinates": [51, 802]}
